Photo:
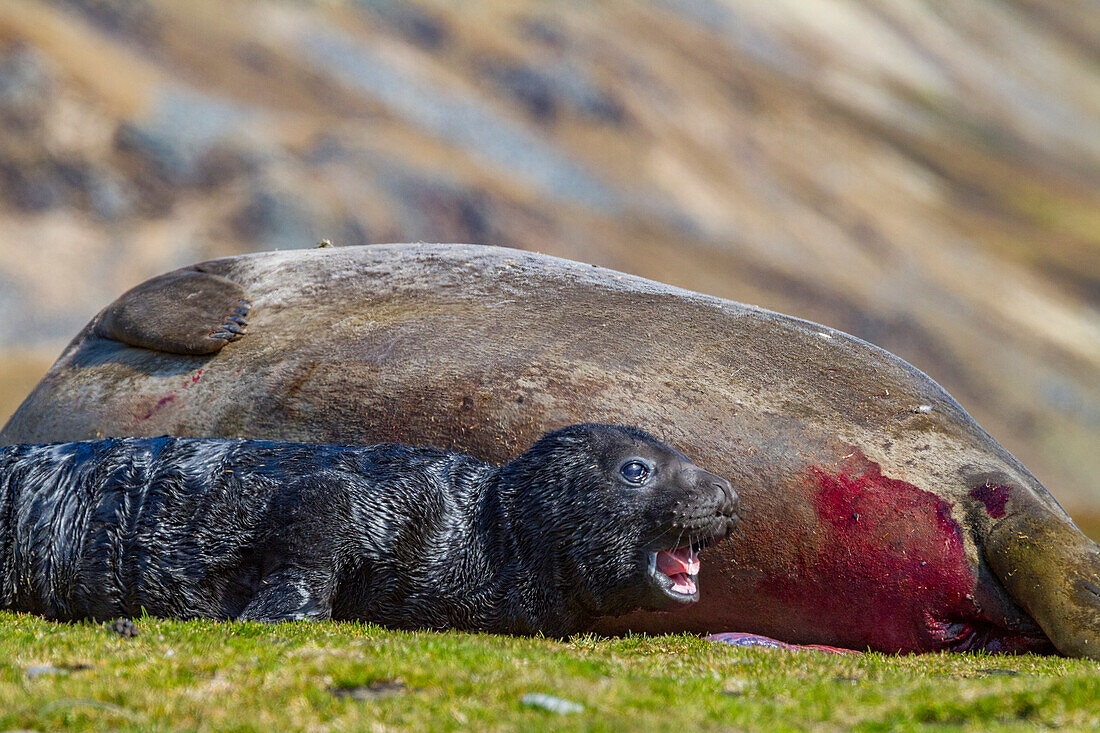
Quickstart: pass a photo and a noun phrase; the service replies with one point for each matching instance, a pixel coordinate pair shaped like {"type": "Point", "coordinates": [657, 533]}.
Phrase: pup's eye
{"type": "Point", "coordinates": [634, 471]}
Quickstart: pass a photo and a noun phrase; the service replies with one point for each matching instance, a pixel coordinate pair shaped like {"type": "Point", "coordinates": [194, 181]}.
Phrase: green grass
{"type": "Point", "coordinates": [205, 676]}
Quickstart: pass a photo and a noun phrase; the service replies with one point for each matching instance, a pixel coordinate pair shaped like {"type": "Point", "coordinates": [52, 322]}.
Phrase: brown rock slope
{"type": "Point", "coordinates": [927, 178]}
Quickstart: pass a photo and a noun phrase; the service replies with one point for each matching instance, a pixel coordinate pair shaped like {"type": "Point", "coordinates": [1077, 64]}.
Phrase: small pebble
{"type": "Point", "coordinates": [735, 688]}
{"type": "Point", "coordinates": [124, 627]}
{"type": "Point", "coordinates": [551, 703]}
{"type": "Point", "coordinates": [373, 691]}
{"type": "Point", "coordinates": [41, 669]}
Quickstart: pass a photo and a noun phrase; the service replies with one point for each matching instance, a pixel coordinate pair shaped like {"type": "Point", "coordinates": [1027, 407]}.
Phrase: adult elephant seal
{"type": "Point", "coordinates": [877, 512]}
{"type": "Point", "coordinates": [592, 520]}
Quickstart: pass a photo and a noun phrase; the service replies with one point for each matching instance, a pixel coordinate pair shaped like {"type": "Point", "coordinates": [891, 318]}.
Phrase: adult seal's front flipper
{"type": "Point", "coordinates": [183, 312]}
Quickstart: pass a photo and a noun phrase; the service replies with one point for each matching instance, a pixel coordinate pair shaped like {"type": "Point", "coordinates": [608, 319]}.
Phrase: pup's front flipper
{"type": "Point", "coordinates": [183, 312]}
{"type": "Point", "coordinates": [292, 594]}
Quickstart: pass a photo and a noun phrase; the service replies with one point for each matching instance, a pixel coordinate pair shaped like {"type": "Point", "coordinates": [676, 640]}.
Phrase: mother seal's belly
{"type": "Point", "coordinates": [877, 512]}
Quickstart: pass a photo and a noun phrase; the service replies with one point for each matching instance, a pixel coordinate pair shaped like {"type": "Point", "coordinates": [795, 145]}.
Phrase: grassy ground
{"type": "Point", "coordinates": [206, 676]}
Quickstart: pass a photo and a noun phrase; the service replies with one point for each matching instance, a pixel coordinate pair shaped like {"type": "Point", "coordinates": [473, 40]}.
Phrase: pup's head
{"type": "Point", "coordinates": [617, 517]}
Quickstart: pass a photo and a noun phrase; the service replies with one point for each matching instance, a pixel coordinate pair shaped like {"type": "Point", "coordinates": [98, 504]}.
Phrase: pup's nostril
{"type": "Point", "coordinates": [728, 501]}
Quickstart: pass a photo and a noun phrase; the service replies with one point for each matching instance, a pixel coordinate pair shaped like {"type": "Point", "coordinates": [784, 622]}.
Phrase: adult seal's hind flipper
{"type": "Point", "coordinates": [1052, 570]}
{"type": "Point", "coordinates": [182, 312]}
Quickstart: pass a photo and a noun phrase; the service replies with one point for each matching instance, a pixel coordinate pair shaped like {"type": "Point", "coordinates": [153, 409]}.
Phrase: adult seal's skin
{"type": "Point", "coordinates": [879, 514]}
{"type": "Point", "coordinates": [593, 520]}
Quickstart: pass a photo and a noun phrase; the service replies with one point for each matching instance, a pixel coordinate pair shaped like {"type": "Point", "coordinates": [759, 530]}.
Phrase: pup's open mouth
{"type": "Point", "coordinates": [676, 571]}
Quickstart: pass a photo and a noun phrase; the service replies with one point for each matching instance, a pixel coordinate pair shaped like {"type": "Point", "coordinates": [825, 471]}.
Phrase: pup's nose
{"type": "Point", "coordinates": [724, 496]}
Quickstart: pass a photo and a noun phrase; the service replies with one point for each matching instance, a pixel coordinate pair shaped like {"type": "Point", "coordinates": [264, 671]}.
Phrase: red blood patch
{"type": "Point", "coordinates": [994, 496]}
{"type": "Point", "coordinates": [160, 403]}
{"type": "Point", "coordinates": [888, 569]}
{"type": "Point", "coordinates": [171, 397]}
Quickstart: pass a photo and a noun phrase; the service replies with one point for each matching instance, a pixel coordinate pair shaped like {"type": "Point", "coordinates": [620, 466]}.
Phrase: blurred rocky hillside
{"type": "Point", "coordinates": [925, 175]}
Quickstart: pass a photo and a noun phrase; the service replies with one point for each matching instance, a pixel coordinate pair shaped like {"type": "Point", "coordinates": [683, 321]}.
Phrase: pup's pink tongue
{"type": "Point", "coordinates": [679, 565]}
{"type": "Point", "coordinates": [682, 583]}
{"type": "Point", "coordinates": [680, 560]}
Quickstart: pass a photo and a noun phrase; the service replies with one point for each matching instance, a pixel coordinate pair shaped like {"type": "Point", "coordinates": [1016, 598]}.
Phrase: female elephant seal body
{"type": "Point", "coordinates": [879, 514]}
{"type": "Point", "coordinates": [593, 520]}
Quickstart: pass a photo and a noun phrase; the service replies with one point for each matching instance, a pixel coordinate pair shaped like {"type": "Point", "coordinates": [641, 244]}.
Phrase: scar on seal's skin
{"type": "Point", "coordinates": [183, 312]}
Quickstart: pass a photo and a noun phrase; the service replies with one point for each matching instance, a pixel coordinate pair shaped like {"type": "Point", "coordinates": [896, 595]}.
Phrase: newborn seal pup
{"type": "Point", "coordinates": [593, 520]}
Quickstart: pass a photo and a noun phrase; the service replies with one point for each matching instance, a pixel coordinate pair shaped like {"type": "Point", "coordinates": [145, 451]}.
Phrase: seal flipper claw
{"type": "Point", "coordinates": [227, 336]}
{"type": "Point", "coordinates": [183, 312]}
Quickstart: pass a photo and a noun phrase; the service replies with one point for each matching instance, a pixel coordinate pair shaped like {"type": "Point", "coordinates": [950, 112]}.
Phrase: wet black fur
{"type": "Point", "coordinates": [406, 537]}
